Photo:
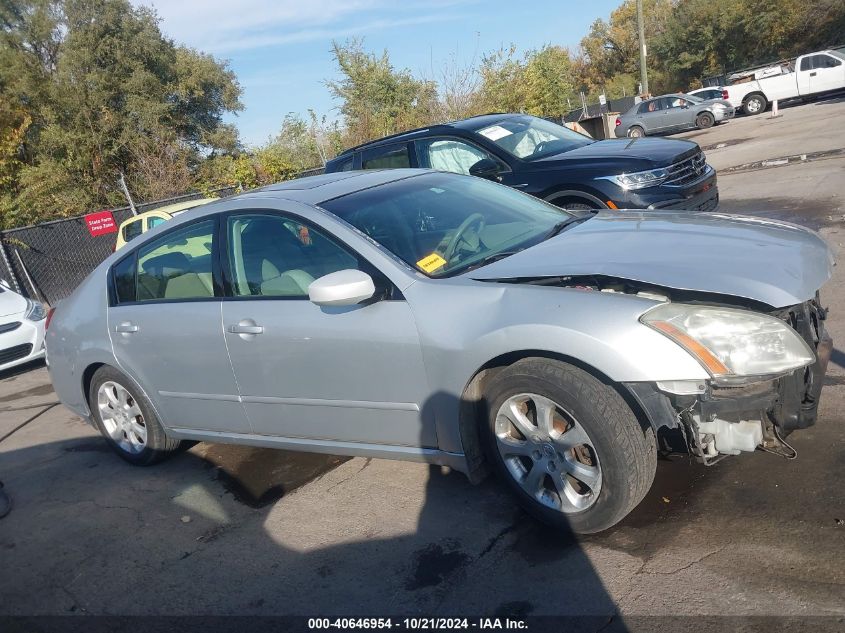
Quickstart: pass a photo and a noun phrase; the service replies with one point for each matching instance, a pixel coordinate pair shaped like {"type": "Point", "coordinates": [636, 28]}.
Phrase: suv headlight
{"type": "Point", "coordinates": [639, 179]}
{"type": "Point", "coordinates": [731, 342]}
{"type": "Point", "coordinates": [34, 311]}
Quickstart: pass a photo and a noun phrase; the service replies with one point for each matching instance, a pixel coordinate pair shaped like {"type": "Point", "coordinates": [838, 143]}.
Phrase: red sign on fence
{"type": "Point", "coordinates": [101, 223]}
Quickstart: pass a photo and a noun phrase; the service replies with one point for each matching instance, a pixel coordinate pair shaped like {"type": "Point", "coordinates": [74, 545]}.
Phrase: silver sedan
{"type": "Point", "coordinates": [433, 317]}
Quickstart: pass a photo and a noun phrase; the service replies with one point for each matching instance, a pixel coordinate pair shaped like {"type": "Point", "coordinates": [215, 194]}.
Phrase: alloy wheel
{"type": "Point", "coordinates": [548, 453]}
{"type": "Point", "coordinates": [122, 417]}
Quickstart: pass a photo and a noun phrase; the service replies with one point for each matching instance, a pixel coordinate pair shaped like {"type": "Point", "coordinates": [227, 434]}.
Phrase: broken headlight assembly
{"type": "Point", "coordinates": [733, 345]}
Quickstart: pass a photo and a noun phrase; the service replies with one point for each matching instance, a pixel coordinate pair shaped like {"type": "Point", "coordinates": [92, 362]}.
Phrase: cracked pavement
{"type": "Point", "coordinates": [238, 530]}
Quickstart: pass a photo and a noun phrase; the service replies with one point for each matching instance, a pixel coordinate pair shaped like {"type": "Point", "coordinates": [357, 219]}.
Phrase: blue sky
{"type": "Point", "coordinates": [280, 49]}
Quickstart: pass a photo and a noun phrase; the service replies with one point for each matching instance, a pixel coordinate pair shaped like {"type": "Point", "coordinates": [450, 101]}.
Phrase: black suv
{"type": "Point", "coordinates": [551, 162]}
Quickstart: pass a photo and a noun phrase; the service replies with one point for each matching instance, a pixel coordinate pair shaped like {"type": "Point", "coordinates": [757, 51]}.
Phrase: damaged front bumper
{"type": "Point", "coordinates": [719, 420]}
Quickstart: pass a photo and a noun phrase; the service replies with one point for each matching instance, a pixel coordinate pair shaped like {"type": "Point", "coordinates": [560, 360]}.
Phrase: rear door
{"type": "Point", "coordinates": [165, 326]}
{"type": "Point", "coordinates": [650, 115]}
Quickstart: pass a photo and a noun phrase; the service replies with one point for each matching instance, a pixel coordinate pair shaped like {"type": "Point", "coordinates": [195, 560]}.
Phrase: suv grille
{"type": "Point", "coordinates": [15, 353]}
{"type": "Point", "coordinates": [686, 171]}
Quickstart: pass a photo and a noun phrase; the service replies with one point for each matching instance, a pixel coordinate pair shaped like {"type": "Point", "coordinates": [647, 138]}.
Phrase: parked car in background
{"type": "Point", "coordinates": [551, 162]}
{"type": "Point", "coordinates": [552, 346]}
{"type": "Point", "coordinates": [709, 94]}
{"type": "Point", "coordinates": [809, 75]}
{"type": "Point", "coordinates": [672, 113]}
{"type": "Point", "coordinates": [139, 224]}
{"type": "Point", "coordinates": [21, 328]}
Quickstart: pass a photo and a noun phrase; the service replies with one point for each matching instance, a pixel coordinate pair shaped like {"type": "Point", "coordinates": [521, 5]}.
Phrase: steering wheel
{"type": "Point", "coordinates": [475, 218]}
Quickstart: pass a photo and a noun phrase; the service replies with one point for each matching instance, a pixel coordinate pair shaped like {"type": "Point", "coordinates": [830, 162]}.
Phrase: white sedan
{"type": "Point", "coordinates": [21, 328]}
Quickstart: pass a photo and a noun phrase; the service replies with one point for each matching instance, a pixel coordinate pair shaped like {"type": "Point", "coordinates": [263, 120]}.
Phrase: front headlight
{"type": "Point", "coordinates": [34, 311]}
{"type": "Point", "coordinates": [640, 179]}
{"type": "Point", "coordinates": [730, 342]}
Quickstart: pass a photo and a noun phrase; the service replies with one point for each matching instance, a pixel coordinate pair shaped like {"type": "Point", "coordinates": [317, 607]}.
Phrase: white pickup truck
{"type": "Point", "coordinates": [809, 74]}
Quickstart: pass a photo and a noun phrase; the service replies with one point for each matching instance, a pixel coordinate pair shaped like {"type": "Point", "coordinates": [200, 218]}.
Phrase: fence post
{"type": "Point", "coordinates": [8, 264]}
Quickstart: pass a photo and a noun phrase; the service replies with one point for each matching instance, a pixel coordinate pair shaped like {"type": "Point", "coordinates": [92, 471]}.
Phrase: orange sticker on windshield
{"type": "Point", "coordinates": [432, 262]}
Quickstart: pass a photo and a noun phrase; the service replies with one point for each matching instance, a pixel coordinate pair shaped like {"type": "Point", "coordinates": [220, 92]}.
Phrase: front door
{"type": "Point", "coordinates": [828, 73]}
{"type": "Point", "coordinates": [166, 332]}
{"type": "Point", "coordinates": [351, 374]}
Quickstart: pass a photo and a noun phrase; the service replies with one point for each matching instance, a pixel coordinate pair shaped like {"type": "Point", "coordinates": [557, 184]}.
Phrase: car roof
{"type": "Point", "coordinates": [314, 190]}
{"type": "Point", "coordinates": [470, 124]}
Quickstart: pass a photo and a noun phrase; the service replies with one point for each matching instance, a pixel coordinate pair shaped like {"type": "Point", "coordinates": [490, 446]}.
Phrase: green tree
{"type": "Point", "coordinates": [106, 93]}
{"type": "Point", "coordinates": [376, 99]}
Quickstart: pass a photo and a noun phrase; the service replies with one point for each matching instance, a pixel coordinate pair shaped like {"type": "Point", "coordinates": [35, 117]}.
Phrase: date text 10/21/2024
{"type": "Point", "coordinates": [418, 623]}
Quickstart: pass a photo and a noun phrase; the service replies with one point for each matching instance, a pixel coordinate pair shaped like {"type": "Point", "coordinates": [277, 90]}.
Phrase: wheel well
{"type": "Point", "coordinates": [753, 94]}
{"type": "Point", "coordinates": [474, 408]}
{"type": "Point", "coordinates": [561, 197]}
{"type": "Point", "coordinates": [87, 377]}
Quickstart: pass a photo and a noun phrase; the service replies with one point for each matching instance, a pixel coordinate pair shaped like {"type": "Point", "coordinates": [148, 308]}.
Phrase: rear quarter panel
{"type": "Point", "coordinates": [77, 338]}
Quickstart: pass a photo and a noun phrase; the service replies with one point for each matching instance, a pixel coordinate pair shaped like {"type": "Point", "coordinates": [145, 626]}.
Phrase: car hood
{"type": "Point", "coordinates": [648, 152]}
{"type": "Point", "coordinates": [769, 261]}
{"type": "Point", "coordinates": [11, 303]}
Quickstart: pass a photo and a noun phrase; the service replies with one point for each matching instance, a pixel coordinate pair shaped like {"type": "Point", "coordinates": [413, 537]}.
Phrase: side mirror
{"type": "Point", "coordinates": [343, 288]}
{"type": "Point", "coordinates": [485, 168]}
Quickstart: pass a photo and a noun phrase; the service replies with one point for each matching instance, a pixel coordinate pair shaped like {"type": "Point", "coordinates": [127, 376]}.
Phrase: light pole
{"type": "Point", "coordinates": [643, 69]}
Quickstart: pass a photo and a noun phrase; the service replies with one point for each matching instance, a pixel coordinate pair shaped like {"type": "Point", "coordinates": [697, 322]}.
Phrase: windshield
{"type": "Point", "coordinates": [530, 138]}
{"type": "Point", "coordinates": [443, 224]}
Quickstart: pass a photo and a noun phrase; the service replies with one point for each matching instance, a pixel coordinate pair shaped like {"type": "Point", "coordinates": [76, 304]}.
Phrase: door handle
{"type": "Point", "coordinates": [246, 328]}
{"type": "Point", "coordinates": [126, 327]}
{"type": "Point", "coordinates": [812, 74]}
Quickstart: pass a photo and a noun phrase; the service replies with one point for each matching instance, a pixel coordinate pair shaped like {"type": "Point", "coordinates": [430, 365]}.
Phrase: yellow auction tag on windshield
{"type": "Point", "coordinates": [432, 262]}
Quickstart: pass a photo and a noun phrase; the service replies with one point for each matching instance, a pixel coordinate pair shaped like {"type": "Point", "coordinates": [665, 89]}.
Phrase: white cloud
{"type": "Point", "coordinates": [219, 26]}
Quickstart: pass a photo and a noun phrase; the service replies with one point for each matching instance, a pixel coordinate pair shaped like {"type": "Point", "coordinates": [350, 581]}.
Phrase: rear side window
{"type": "Point", "coordinates": [344, 165]}
{"type": "Point", "coordinates": [124, 279]}
{"type": "Point", "coordinates": [153, 222]}
{"type": "Point", "coordinates": [132, 230]}
{"type": "Point", "coordinates": [650, 106]}
{"type": "Point", "coordinates": [389, 157]}
{"type": "Point", "coordinates": [177, 265]}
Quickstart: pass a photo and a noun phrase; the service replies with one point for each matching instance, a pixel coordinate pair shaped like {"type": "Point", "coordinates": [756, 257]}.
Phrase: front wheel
{"type": "Point", "coordinates": [635, 131]}
{"type": "Point", "coordinates": [567, 445]}
{"type": "Point", "coordinates": [126, 419]}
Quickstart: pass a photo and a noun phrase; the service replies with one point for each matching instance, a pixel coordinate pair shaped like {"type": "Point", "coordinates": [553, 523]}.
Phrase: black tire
{"type": "Point", "coordinates": [157, 445]}
{"type": "Point", "coordinates": [576, 205]}
{"type": "Point", "coordinates": [635, 131]}
{"type": "Point", "coordinates": [705, 120]}
{"type": "Point", "coordinates": [626, 452]}
{"type": "Point", "coordinates": [755, 104]}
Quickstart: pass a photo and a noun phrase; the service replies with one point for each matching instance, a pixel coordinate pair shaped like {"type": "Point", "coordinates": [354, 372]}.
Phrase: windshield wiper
{"type": "Point", "coordinates": [490, 259]}
{"type": "Point", "coordinates": [560, 227]}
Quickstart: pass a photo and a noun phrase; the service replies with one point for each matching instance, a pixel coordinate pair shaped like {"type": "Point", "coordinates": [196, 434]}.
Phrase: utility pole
{"type": "Point", "coordinates": [643, 69]}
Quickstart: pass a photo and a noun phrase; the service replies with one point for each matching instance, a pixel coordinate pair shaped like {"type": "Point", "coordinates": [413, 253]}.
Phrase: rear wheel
{"type": "Point", "coordinates": [127, 420]}
{"type": "Point", "coordinates": [705, 120]}
{"type": "Point", "coordinates": [567, 445]}
{"type": "Point", "coordinates": [635, 131]}
{"type": "Point", "coordinates": [755, 104]}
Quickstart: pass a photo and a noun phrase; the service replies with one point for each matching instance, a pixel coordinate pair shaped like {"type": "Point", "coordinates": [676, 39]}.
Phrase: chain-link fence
{"type": "Point", "coordinates": [48, 261]}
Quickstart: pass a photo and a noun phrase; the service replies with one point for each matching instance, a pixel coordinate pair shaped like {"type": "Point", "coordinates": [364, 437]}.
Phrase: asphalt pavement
{"type": "Point", "coordinates": [235, 530]}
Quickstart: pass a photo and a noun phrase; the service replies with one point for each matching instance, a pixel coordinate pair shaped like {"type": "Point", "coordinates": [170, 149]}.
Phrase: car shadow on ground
{"type": "Point", "coordinates": [91, 534]}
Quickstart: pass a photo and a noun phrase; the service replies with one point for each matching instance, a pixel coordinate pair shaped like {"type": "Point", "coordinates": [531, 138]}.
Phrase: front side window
{"type": "Point", "coordinates": [826, 61]}
{"type": "Point", "coordinates": [389, 157]}
{"type": "Point", "coordinates": [442, 224]}
{"type": "Point", "coordinates": [132, 230]}
{"type": "Point", "coordinates": [278, 256]}
{"type": "Point", "coordinates": [177, 265]}
{"type": "Point", "coordinates": [530, 138]}
{"type": "Point", "coordinates": [450, 155]}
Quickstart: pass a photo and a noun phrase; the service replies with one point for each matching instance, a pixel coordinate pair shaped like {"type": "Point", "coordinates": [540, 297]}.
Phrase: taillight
{"type": "Point", "coordinates": [49, 318]}
{"type": "Point", "coordinates": [618, 121]}
{"type": "Point", "coordinates": [724, 94]}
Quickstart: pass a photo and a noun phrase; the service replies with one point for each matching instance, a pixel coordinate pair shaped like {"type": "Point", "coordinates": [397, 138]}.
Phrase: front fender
{"type": "Point", "coordinates": [465, 325]}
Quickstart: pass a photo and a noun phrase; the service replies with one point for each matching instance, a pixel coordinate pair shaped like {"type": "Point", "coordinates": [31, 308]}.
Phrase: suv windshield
{"type": "Point", "coordinates": [443, 224]}
{"type": "Point", "coordinates": [530, 138]}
